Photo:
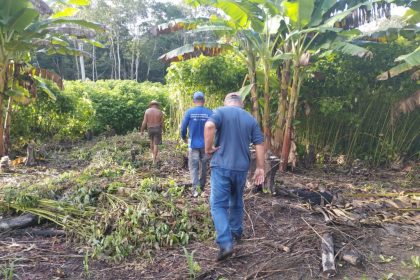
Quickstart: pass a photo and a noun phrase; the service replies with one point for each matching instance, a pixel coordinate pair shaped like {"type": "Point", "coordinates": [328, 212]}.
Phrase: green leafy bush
{"type": "Point", "coordinates": [350, 110]}
{"type": "Point", "coordinates": [215, 76]}
{"type": "Point", "coordinates": [83, 106]}
{"type": "Point", "coordinates": [119, 105]}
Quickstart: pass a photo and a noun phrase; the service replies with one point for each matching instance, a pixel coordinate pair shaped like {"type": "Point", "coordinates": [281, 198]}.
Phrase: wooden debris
{"type": "Point", "coordinates": [23, 221]}
{"type": "Point", "coordinates": [30, 154]}
{"type": "Point", "coordinates": [4, 164]}
{"type": "Point", "coordinates": [327, 254]}
{"type": "Point", "coordinates": [327, 217]}
{"type": "Point", "coordinates": [271, 167]}
{"type": "Point", "coordinates": [352, 257]}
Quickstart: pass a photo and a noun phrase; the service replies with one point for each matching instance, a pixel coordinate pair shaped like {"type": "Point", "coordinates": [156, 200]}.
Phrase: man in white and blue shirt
{"type": "Point", "coordinates": [194, 120]}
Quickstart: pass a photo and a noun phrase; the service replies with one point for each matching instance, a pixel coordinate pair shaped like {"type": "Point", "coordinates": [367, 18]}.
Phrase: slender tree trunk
{"type": "Point", "coordinates": [150, 60]}
{"type": "Point", "coordinates": [82, 63]}
{"type": "Point", "coordinates": [284, 79]}
{"type": "Point", "coordinates": [93, 63]}
{"type": "Point", "coordinates": [266, 117]}
{"type": "Point", "coordinates": [77, 61]}
{"type": "Point", "coordinates": [57, 64]}
{"type": "Point", "coordinates": [290, 113]}
{"type": "Point", "coordinates": [118, 57]}
{"type": "Point", "coordinates": [114, 72]}
{"type": "Point", "coordinates": [7, 122]}
{"type": "Point", "coordinates": [132, 66]}
{"type": "Point", "coordinates": [3, 86]}
{"type": "Point", "coordinates": [137, 66]}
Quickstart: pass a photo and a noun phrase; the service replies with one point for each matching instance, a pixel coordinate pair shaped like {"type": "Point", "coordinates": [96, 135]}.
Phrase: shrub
{"type": "Point", "coordinates": [83, 106]}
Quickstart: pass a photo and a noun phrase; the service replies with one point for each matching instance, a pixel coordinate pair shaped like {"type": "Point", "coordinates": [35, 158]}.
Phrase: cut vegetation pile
{"type": "Point", "coordinates": [109, 204]}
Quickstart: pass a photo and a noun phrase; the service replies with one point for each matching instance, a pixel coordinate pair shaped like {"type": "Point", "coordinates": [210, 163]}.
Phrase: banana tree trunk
{"type": "Point", "coordinates": [7, 122]}
{"type": "Point", "coordinates": [266, 117]}
{"type": "Point", "coordinates": [290, 113]}
{"type": "Point", "coordinates": [284, 80]}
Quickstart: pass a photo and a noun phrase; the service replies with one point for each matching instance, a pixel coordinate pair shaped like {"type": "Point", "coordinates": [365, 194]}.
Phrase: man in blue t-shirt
{"type": "Point", "coordinates": [195, 119]}
{"type": "Point", "coordinates": [227, 135]}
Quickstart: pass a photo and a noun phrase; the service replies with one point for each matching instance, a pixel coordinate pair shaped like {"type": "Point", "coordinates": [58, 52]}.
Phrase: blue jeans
{"type": "Point", "coordinates": [227, 205]}
{"type": "Point", "coordinates": [197, 159]}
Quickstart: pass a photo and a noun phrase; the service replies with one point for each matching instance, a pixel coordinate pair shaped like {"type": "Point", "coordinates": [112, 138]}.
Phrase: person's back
{"type": "Point", "coordinates": [237, 130]}
{"type": "Point", "coordinates": [234, 129]}
{"type": "Point", "coordinates": [153, 122]}
{"type": "Point", "coordinates": [194, 121]}
{"type": "Point", "coordinates": [153, 117]}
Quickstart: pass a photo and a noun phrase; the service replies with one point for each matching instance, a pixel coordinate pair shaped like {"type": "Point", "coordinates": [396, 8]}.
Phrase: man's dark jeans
{"type": "Point", "coordinates": [227, 205]}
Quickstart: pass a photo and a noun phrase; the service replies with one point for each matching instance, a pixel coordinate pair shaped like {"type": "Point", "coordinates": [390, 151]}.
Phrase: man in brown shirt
{"type": "Point", "coordinates": [153, 121]}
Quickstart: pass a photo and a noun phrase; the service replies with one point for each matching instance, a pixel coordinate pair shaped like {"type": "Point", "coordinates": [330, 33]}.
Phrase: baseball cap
{"type": "Point", "coordinates": [198, 95]}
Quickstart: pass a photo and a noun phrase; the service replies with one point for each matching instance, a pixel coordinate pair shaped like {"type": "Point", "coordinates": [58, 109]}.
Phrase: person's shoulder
{"type": "Point", "coordinates": [209, 111]}
{"type": "Point", "coordinates": [248, 116]}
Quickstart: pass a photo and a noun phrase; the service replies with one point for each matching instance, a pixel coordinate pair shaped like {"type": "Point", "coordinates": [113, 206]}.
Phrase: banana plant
{"type": "Point", "coordinates": [312, 30]}
{"type": "Point", "coordinates": [410, 32]}
{"type": "Point", "coordinates": [24, 83]}
{"type": "Point", "coordinates": [24, 29]}
{"type": "Point", "coordinates": [288, 33]}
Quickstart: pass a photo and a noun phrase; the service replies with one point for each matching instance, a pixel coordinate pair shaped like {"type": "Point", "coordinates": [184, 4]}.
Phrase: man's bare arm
{"type": "Point", "coordinates": [143, 125]}
{"type": "Point", "coordinates": [209, 132]}
{"type": "Point", "coordinates": [162, 120]}
{"type": "Point", "coordinates": [259, 171]}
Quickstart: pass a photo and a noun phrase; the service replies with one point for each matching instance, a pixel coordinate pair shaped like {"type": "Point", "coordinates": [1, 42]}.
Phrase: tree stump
{"type": "Point", "coordinates": [30, 154]}
{"type": "Point", "coordinates": [89, 135]}
{"type": "Point", "coordinates": [5, 164]}
{"type": "Point", "coordinates": [270, 168]}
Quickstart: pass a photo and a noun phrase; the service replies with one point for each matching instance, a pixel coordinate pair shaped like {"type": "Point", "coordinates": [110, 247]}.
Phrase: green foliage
{"type": "Point", "coordinates": [68, 117]}
{"type": "Point", "coordinates": [118, 104]}
{"type": "Point", "coordinates": [109, 205]}
{"type": "Point", "coordinates": [83, 106]}
{"type": "Point", "coordinates": [350, 110]}
{"type": "Point", "coordinates": [8, 272]}
{"type": "Point", "coordinates": [193, 266]}
{"type": "Point", "coordinates": [215, 76]}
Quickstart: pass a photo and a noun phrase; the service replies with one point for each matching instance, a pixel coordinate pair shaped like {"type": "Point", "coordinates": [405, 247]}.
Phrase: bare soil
{"type": "Point", "coordinates": [282, 237]}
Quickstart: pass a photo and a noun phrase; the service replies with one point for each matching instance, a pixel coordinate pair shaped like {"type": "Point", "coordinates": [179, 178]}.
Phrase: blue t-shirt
{"type": "Point", "coordinates": [236, 129]}
{"type": "Point", "coordinates": [195, 119]}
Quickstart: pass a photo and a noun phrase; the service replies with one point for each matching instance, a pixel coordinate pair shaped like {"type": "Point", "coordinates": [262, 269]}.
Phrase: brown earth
{"type": "Point", "coordinates": [373, 214]}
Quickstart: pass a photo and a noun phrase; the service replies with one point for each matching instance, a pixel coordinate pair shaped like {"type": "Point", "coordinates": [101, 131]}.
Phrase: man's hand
{"type": "Point", "coordinates": [186, 140]}
{"type": "Point", "coordinates": [211, 151]}
{"type": "Point", "coordinates": [259, 176]}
